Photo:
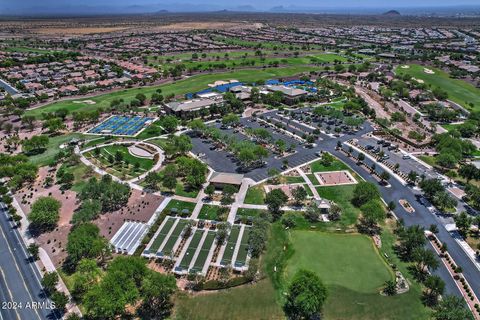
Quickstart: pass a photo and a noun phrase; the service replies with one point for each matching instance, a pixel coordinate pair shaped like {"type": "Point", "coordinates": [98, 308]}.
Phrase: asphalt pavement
{"type": "Point", "coordinates": [22, 296]}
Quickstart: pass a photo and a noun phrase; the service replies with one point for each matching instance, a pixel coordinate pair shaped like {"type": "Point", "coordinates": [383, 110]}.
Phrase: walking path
{"type": "Point", "coordinates": [239, 199]}
{"type": "Point", "coordinates": [316, 196]}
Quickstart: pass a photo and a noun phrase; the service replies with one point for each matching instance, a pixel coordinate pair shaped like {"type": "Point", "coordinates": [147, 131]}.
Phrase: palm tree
{"type": "Point", "coordinates": [434, 288]}
{"type": "Point", "coordinates": [425, 259]}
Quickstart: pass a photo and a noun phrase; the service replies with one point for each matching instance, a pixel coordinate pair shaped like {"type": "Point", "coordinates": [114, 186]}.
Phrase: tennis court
{"type": "Point", "coordinates": [230, 246]}
{"type": "Point", "coordinates": [192, 247]}
{"type": "Point", "coordinates": [241, 259]}
{"type": "Point", "coordinates": [168, 247]}
{"type": "Point", "coordinates": [161, 235]}
{"type": "Point", "coordinates": [122, 125]}
{"type": "Point", "coordinates": [203, 255]}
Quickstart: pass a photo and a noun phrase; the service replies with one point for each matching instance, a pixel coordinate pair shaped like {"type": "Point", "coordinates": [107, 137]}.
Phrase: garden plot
{"type": "Point", "coordinates": [172, 239]}
{"type": "Point", "coordinates": [242, 255]}
{"type": "Point", "coordinates": [190, 252]}
{"type": "Point", "coordinates": [160, 235]}
{"type": "Point", "coordinates": [203, 256]}
{"type": "Point", "coordinates": [236, 249]}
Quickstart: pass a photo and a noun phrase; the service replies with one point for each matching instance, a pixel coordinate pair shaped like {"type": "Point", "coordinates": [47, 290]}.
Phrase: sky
{"type": "Point", "coordinates": [15, 7]}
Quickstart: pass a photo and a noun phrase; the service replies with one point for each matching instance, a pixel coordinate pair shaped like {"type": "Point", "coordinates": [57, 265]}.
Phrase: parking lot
{"type": "Point", "coordinates": [221, 160]}
{"type": "Point", "coordinates": [291, 132]}
{"type": "Point", "coordinates": [393, 156]}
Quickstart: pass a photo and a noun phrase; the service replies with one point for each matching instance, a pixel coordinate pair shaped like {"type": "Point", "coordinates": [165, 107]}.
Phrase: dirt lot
{"type": "Point", "coordinates": [182, 26]}
{"type": "Point", "coordinates": [53, 242]}
{"type": "Point", "coordinates": [140, 207]}
{"type": "Point", "coordinates": [76, 31]}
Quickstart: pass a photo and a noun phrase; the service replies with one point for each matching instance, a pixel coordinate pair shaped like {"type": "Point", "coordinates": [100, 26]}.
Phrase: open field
{"type": "Point", "coordinates": [342, 196]}
{"type": "Point", "coordinates": [354, 273]}
{"type": "Point", "coordinates": [209, 212]}
{"type": "Point", "coordinates": [258, 61]}
{"type": "Point", "coordinates": [192, 84]}
{"type": "Point", "coordinates": [459, 91]}
{"type": "Point", "coordinates": [253, 301]}
{"type": "Point", "coordinates": [52, 149]}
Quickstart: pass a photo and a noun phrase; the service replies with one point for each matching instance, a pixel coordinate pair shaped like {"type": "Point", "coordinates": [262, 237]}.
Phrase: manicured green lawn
{"type": "Point", "coordinates": [180, 87]}
{"type": "Point", "coordinates": [336, 165]}
{"type": "Point", "coordinates": [342, 195]}
{"type": "Point", "coordinates": [209, 212]}
{"type": "Point", "coordinates": [120, 169]}
{"type": "Point", "coordinates": [53, 148]}
{"type": "Point", "coordinates": [255, 301]}
{"type": "Point", "coordinates": [298, 179]}
{"type": "Point", "coordinates": [255, 195]}
{"type": "Point", "coordinates": [145, 164]}
{"type": "Point", "coordinates": [450, 127]}
{"type": "Point", "coordinates": [246, 212]}
{"type": "Point", "coordinates": [181, 190]}
{"type": "Point", "coordinates": [354, 273]}
{"type": "Point", "coordinates": [428, 160]}
{"type": "Point", "coordinates": [180, 205]}
{"type": "Point", "coordinates": [459, 91]}
{"type": "Point", "coordinates": [152, 130]}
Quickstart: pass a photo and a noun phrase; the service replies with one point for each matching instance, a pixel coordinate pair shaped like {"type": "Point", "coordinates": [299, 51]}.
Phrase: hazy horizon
{"type": "Point", "coordinates": [32, 7]}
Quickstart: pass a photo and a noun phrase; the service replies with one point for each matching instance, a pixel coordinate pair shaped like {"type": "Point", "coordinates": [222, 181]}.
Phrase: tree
{"type": "Point", "coordinates": [54, 125]}
{"type": "Point", "coordinates": [373, 213]}
{"type": "Point", "coordinates": [312, 213]}
{"type": "Point", "coordinates": [463, 223]}
{"type": "Point", "coordinates": [36, 144]}
{"type": "Point", "coordinates": [44, 214]}
{"type": "Point", "coordinates": [425, 259]}
{"type": "Point", "coordinates": [364, 192]}
{"type": "Point", "coordinates": [306, 296]}
{"type": "Point", "coordinates": [412, 176]}
{"type": "Point", "coordinates": [141, 97]}
{"type": "Point", "coordinates": [410, 239]}
{"type": "Point", "coordinates": [434, 288]}
{"type": "Point", "coordinates": [151, 181]}
{"type": "Point", "coordinates": [433, 228]}
{"type": "Point", "coordinates": [169, 123]}
{"type": "Point", "coordinates": [452, 308]}
{"type": "Point", "coordinates": [85, 241]}
{"type": "Point", "coordinates": [385, 176]}
{"type": "Point", "coordinates": [361, 156]}
{"type": "Point", "coordinates": [120, 286]}
{"type": "Point", "coordinates": [275, 199]}
{"type": "Point", "coordinates": [430, 187]}
{"type": "Point", "coordinates": [469, 172]}
{"type": "Point", "coordinates": [157, 290]}
{"type": "Point", "coordinates": [210, 190]}
{"type": "Point", "coordinates": [49, 282]}
{"type": "Point", "coordinates": [390, 288]}
{"type": "Point", "coordinates": [60, 300]}
{"type": "Point", "coordinates": [170, 174]}
{"type": "Point", "coordinates": [223, 229]}
{"type": "Point", "coordinates": [227, 195]}
{"type": "Point", "coordinates": [33, 250]}
{"type": "Point", "coordinates": [299, 194]}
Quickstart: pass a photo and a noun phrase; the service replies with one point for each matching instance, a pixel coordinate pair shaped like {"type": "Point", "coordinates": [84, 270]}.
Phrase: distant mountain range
{"type": "Point", "coordinates": [78, 9]}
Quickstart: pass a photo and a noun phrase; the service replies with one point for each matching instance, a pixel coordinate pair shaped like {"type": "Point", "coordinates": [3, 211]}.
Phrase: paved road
{"type": "Point", "coordinates": [422, 217]}
{"type": "Point", "coordinates": [19, 278]}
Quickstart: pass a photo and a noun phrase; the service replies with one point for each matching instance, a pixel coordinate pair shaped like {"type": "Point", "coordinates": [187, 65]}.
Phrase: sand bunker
{"type": "Point", "coordinates": [428, 71]}
{"type": "Point", "coordinates": [405, 67]}
{"type": "Point", "coordinates": [85, 101]}
{"type": "Point", "coordinates": [418, 80]}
